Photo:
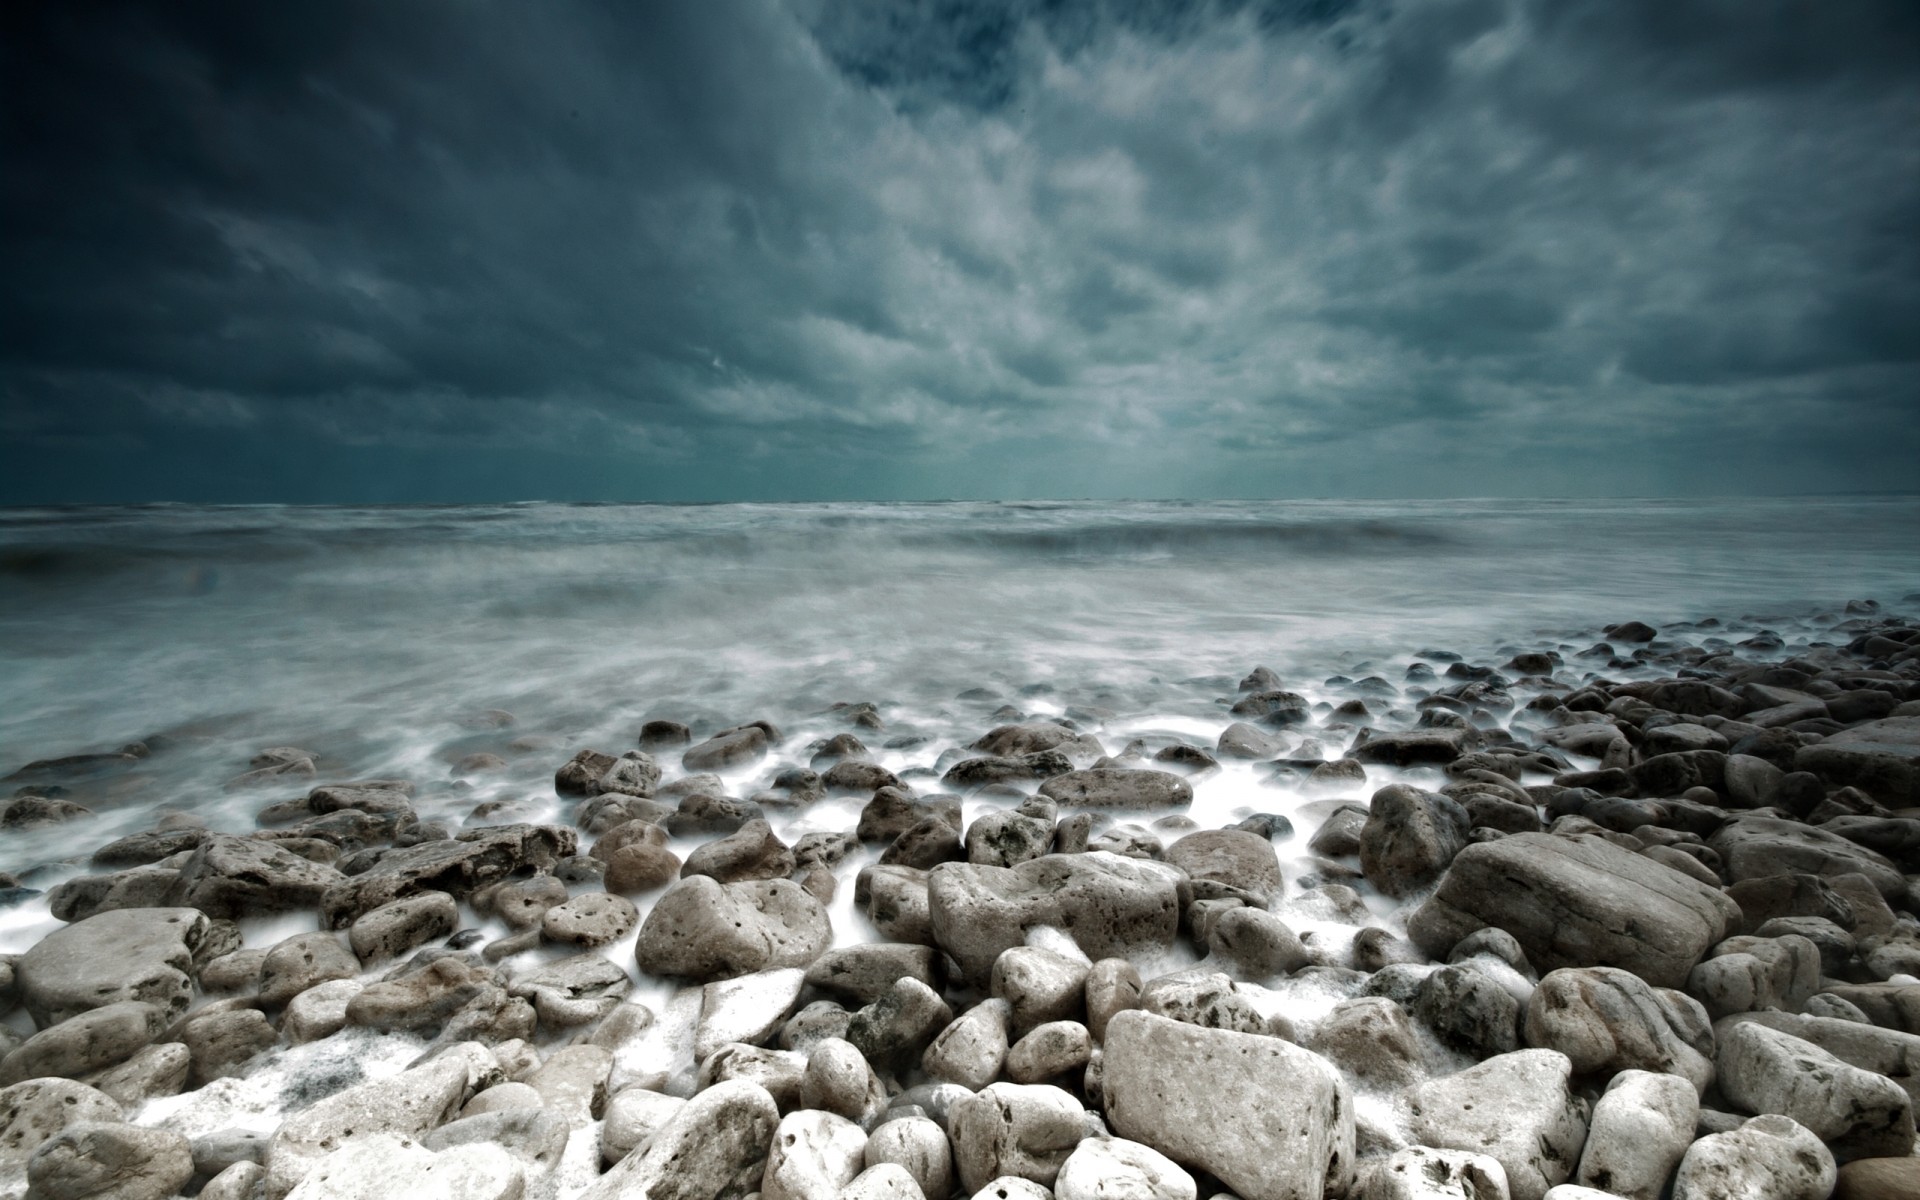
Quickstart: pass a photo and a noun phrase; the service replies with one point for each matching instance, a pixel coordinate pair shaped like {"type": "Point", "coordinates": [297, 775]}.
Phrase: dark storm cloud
{"type": "Point", "coordinates": [751, 248]}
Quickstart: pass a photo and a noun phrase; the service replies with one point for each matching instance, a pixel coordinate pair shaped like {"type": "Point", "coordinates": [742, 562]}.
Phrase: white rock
{"type": "Point", "coordinates": [383, 1165]}
{"type": "Point", "coordinates": [746, 1009]}
{"type": "Point", "coordinates": [1514, 1108]}
{"type": "Point", "coordinates": [887, 1181]}
{"type": "Point", "coordinates": [1859, 1113]}
{"type": "Point", "coordinates": [838, 1080]}
{"type": "Point", "coordinates": [407, 1105]}
{"type": "Point", "coordinates": [715, 1146]}
{"type": "Point", "coordinates": [573, 1083]}
{"type": "Point", "coordinates": [972, 1050]}
{"type": "Point", "coordinates": [1108, 1168]}
{"type": "Point", "coordinates": [320, 1011]}
{"type": "Point", "coordinates": [814, 1155]}
{"type": "Point", "coordinates": [1423, 1173]}
{"type": "Point", "coordinates": [1012, 1187]}
{"type": "Point", "coordinates": [633, 1117]}
{"type": "Point", "coordinates": [919, 1146]}
{"type": "Point", "coordinates": [1640, 1129]}
{"type": "Point", "coordinates": [1768, 1158]}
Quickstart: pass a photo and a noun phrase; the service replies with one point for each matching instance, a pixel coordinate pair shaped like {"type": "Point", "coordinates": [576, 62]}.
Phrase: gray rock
{"type": "Point", "coordinates": [747, 1008]}
{"type": "Point", "coordinates": [814, 1155]}
{"type": "Point", "coordinates": [1515, 1109]}
{"type": "Point", "coordinates": [407, 1104]}
{"type": "Point", "coordinates": [1577, 901]}
{"type": "Point", "coordinates": [301, 962]}
{"type": "Point", "coordinates": [1753, 847]}
{"type": "Point", "coordinates": [144, 954]}
{"type": "Point", "coordinates": [1640, 1129]}
{"type": "Point", "coordinates": [1409, 838]}
{"type": "Point", "coordinates": [920, 1147]}
{"type": "Point", "coordinates": [1881, 758]}
{"type": "Point", "coordinates": [634, 1116]}
{"type": "Point", "coordinates": [1008, 837]}
{"type": "Point", "coordinates": [1423, 1173]}
{"type": "Point", "coordinates": [1119, 787]}
{"type": "Point", "coordinates": [894, 1031]}
{"type": "Point", "coordinates": [246, 877]}
{"type": "Point", "coordinates": [384, 1164]}
{"type": "Point", "coordinates": [728, 748]}
{"type": "Point", "coordinates": [1606, 1020]}
{"type": "Point", "coordinates": [38, 1109]}
{"type": "Point", "coordinates": [781, 1072]}
{"type": "Point", "coordinates": [863, 973]}
{"type": "Point", "coordinates": [715, 1147]}
{"type": "Point", "coordinates": [590, 920]}
{"type": "Point", "coordinates": [152, 1072]}
{"type": "Point", "coordinates": [839, 1081]}
{"type": "Point", "coordinates": [706, 930]}
{"type": "Point", "coordinates": [1241, 740]}
{"type": "Point", "coordinates": [575, 991]}
{"type": "Point", "coordinates": [1049, 1051]}
{"type": "Point", "coordinates": [1270, 1120]}
{"type": "Point", "coordinates": [221, 1042]}
{"type": "Point", "coordinates": [972, 1050]}
{"type": "Point", "coordinates": [110, 1161]}
{"type": "Point", "coordinates": [319, 1011]}
{"type": "Point", "coordinates": [1103, 1168]}
{"type": "Point", "coordinates": [749, 852]}
{"type": "Point", "coordinates": [1742, 974]}
{"type": "Point", "coordinates": [534, 1137]}
{"type": "Point", "coordinates": [897, 903]}
{"type": "Point", "coordinates": [1038, 985]}
{"type": "Point", "coordinates": [237, 1182]}
{"type": "Point", "coordinates": [884, 1181]}
{"type": "Point", "coordinates": [1469, 1011]}
{"type": "Point", "coordinates": [1371, 1039]}
{"type": "Point", "coordinates": [1417, 747]}
{"type": "Point", "coordinates": [1113, 985]}
{"type": "Point", "coordinates": [1202, 998]}
{"type": "Point", "coordinates": [1858, 1113]}
{"type": "Point", "coordinates": [1231, 856]}
{"type": "Point", "coordinates": [456, 866]}
{"type": "Point", "coordinates": [1010, 1129]}
{"type": "Point", "coordinates": [88, 895]}
{"type": "Point", "coordinates": [1012, 1187]}
{"type": "Point", "coordinates": [393, 929]}
{"type": "Point", "coordinates": [90, 1041]}
{"type": "Point", "coordinates": [1110, 906]}
{"type": "Point", "coordinates": [1768, 1158]}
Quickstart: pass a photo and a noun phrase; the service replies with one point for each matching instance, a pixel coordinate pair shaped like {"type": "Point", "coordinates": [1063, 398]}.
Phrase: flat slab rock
{"type": "Point", "coordinates": [1577, 902]}
{"type": "Point", "coordinates": [1882, 758]}
{"type": "Point", "coordinates": [143, 954]}
{"type": "Point", "coordinates": [456, 867]}
{"type": "Point", "coordinates": [1118, 787]}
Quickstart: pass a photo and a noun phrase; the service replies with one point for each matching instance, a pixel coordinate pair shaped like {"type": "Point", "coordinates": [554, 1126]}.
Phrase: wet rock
{"type": "Point", "coordinates": [1423, 1173]}
{"type": "Point", "coordinates": [572, 1083]}
{"type": "Point", "coordinates": [1882, 758]}
{"type": "Point", "coordinates": [1269, 1119]}
{"type": "Point", "coordinates": [814, 1155]}
{"type": "Point", "coordinates": [301, 962]}
{"type": "Point", "coordinates": [393, 929]}
{"type": "Point", "coordinates": [1858, 1113]}
{"type": "Point", "coordinates": [319, 1011]}
{"type": "Point", "coordinates": [920, 1147]}
{"type": "Point", "coordinates": [535, 1139]}
{"type": "Point", "coordinates": [1371, 1038]}
{"type": "Point", "coordinates": [1038, 985]}
{"type": "Point", "coordinates": [1640, 1129]}
{"type": "Point", "coordinates": [838, 1080]}
{"type": "Point", "coordinates": [1207, 1000]}
{"type": "Point", "coordinates": [704, 812]}
{"type": "Point", "coordinates": [408, 1104]}
{"type": "Point", "coordinates": [39, 1109]}
{"type": "Point", "coordinates": [90, 1041]}
{"type": "Point", "coordinates": [1754, 847]}
{"type": "Point", "coordinates": [421, 1000]}
{"type": "Point", "coordinates": [1516, 1109]}
{"type": "Point", "coordinates": [1606, 1020]}
{"type": "Point", "coordinates": [144, 954]}
{"type": "Point", "coordinates": [1102, 1168]}
{"type": "Point", "coordinates": [1256, 943]}
{"type": "Point", "coordinates": [1113, 986]}
{"type": "Point", "coordinates": [813, 1024]}
{"type": "Point", "coordinates": [110, 1161]}
{"type": "Point", "coordinates": [746, 1009]}
{"type": "Point", "coordinates": [572, 992]}
{"type": "Point", "coordinates": [1768, 1158]}
{"type": "Point", "coordinates": [589, 920]}
{"type": "Point", "coordinates": [972, 1050]}
{"type": "Point", "coordinates": [1012, 1129]}
{"type": "Point", "coordinates": [1409, 838]}
{"type": "Point", "coordinates": [1011, 836]}
{"type": "Point", "coordinates": [221, 1043]}
{"type": "Point", "coordinates": [1742, 974]}
{"type": "Point", "coordinates": [894, 1030]}
{"type": "Point", "coordinates": [1049, 1051]}
{"type": "Point", "coordinates": [781, 1072]}
{"type": "Point", "coordinates": [1416, 747]}
{"type": "Point", "coordinates": [1339, 835]}
{"type": "Point", "coordinates": [634, 1116]}
{"type": "Point", "coordinates": [1577, 901]}
{"type": "Point", "coordinates": [39, 812]}
{"type": "Point", "coordinates": [728, 748]}
{"type": "Point", "coordinates": [152, 1072]}
{"type": "Point", "coordinates": [702, 929]}
{"type": "Point", "coordinates": [247, 877]}
{"type": "Point", "coordinates": [1110, 906]}
{"type": "Point", "coordinates": [385, 1165]}
{"type": "Point", "coordinates": [989, 770]}
{"type": "Point", "coordinates": [1469, 1011]}
{"type": "Point", "coordinates": [521, 903]}
{"type": "Point", "coordinates": [1118, 787]}
{"type": "Point", "coordinates": [1231, 856]}
{"type": "Point", "coordinates": [1012, 1187]}
{"type": "Point", "coordinates": [1244, 741]}
{"type": "Point", "coordinates": [897, 902]}
{"type": "Point", "coordinates": [750, 852]}
{"type": "Point", "coordinates": [456, 866]}
{"type": "Point", "coordinates": [141, 849]}
{"type": "Point", "coordinates": [716, 1146]}
{"type": "Point", "coordinates": [863, 973]}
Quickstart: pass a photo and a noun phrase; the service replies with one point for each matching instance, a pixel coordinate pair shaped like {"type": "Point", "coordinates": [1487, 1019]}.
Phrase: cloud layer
{"type": "Point", "coordinates": [750, 249]}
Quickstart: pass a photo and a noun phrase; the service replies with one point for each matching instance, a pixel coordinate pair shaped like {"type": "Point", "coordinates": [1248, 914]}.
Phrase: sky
{"type": "Point", "coordinates": [396, 251]}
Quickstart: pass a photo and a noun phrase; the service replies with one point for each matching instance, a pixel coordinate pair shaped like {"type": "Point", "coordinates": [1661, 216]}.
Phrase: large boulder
{"type": "Point", "coordinates": [1754, 847]}
{"type": "Point", "coordinates": [1111, 906]}
{"type": "Point", "coordinates": [1860, 1114]}
{"type": "Point", "coordinates": [1607, 1020]}
{"type": "Point", "coordinates": [1515, 1108]}
{"type": "Point", "coordinates": [1409, 838]}
{"type": "Point", "coordinates": [1575, 902]}
{"type": "Point", "coordinates": [234, 877]}
{"type": "Point", "coordinates": [110, 1161]}
{"type": "Point", "coordinates": [714, 1148]}
{"type": "Point", "coordinates": [706, 930]}
{"type": "Point", "coordinates": [144, 954]}
{"type": "Point", "coordinates": [1881, 758]}
{"type": "Point", "coordinates": [1270, 1120]}
{"type": "Point", "coordinates": [36, 1110]}
{"type": "Point", "coordinates": [457, 867]}
{"type": "Point", "coordinates": [1118, 787]}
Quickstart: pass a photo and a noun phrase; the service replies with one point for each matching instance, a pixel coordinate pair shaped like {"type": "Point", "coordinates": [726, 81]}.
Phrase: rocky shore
{"type": "Point", "coordinates": [1634, 917]}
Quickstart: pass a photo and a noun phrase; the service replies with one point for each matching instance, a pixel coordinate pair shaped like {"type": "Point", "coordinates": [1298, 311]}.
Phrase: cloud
{"type": "Point", "coordinates": [831, 247]}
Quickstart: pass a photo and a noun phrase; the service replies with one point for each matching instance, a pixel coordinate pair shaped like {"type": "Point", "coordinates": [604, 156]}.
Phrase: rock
{"type": "Point", "coordinates": [237, 971]}
{"type": "Point", "coordinates": [1110, 906]}
{"type": "Point", "coordinates": [407, 1104]}
{"type": "Point", "coordinates": [393, 929]}
{"type": "Point", "coordinates": [301, 962]}
{"type": "Point", "coordinates": [457, 866]}
{"type": "Point", "coordinates": [501, 1097]}
{"type": "Point", "coordinates": [1012, 1187]}
{"type": "Point", "coordinates": [1049, 1051]}
{"type": "Point", "coordinates": [1423, 1173]}
{"type": "Point", "coordinates": [1742, 974]}
{"type": "Point", "coordinates": [1038, 985]}
{"type": "Point", "coordinates": [1753, 847]}
{"type": "Point", "coordinates": [140, 849]}
{"type": "Point", "coordinates": [152, 1072]}
{"type": "Point", "coordinates": [894, 1030]}
{"type": "Point", "coordinates": [1768, 1158]}
{"type": "Point", "coordinates": [920, 1147]}
{"type": "Point", "coordinates": [838, 1080]}
{"type": "Point", "coordinates": [815, 1155]}
{"type": "Point", "coordinates": [91, 1041]}
{"type": "Point", "coordinates": [534, 1138]}
{"type": "Point", "coordinates": [1640, 1129]}
{"type": "Point", "coordinates": [747, 1008]}
{"type": "Point", "coordinates": [1881, 758]}
{"type": "Point", "coordinates": [728, 748]}
{"type": "Point", "coordinates": [634, 1116]}
{"type": "Point", "coordinates": [572, 1083]}
{"type": "Point", "coordinates": [110, 1161]}
{"type": "Point", "coordinates": [222, 1042]}
{"type": "Point", "coordinates": [1202, 998]}
{"type": "Point", "coordinates": [715, 1147]}
{"type": "Point", "coordinates": [1860, 1114]}
{"type": "Point", "coordinates": [1103, 1168]}
{"type": "Point", "coordinates": [1256, 944]}
{"type": "Point", "coordinates": [1879, 1179]}
{"type": "Point", "coordinates": [144, 954]}
{"type": "Point", "coordinates": [749, 852]}
{"type": "Point", "coordinates": [1469, 1011]}
{"type": "Point", "coordinates": [1516, 1109]}
{"type": "Point", "coordinates": [863, 973]}
{"type": "Point", "coordinates": [1011, 1129]}
{"type": "Point", "coordinates": [1009, 837]}
{"type": "Point", "coordinates": [237, 1182]}
{"type": "Point", "coordinates": [702, 929]}
{"type": "Point", "coordinates": [384, 1164]}
{"type": "Point", "coordinates": [1118, 787]}
{"type": "Point", "coordinates": [319, 1011]}
{"type": "Point", "coordinates": [663, 734]}
{"type": "Point", "coordinates": [39, 1109]}
{"type": "Point", "coordinates": [246, 877]}
{"type": "Point", "coordinates": [781, 1072]}
{"type": "Point", "coordinates": [1606, 1020]}
{"type": "Point", "coordinates": [887, 1181]}
{"type": "Point", "coordinates": [1409, 838]}
{"type": "Point", "coordinates": [972, 1050]}
{"type": "Point", "coordinates": [422, 999]}
{"type": "Point", "coordinates": [1270, 1120]}
{"type": "Point", "coordinates": [590, 920]}
{"type": "Point", "coordinates": [989, 770]}
{"type": "Point", "coordinates": [1231, 856]}
{"type": "Point", "coordinates": [893, 811]}
{"type": "Point", "coordinates": [1853, 1040]}
{"type": "Point", "coordinates": [88, 895]}
{"type": "Point", "coordinates": [1113, 986]}
{"type": "Point", "coordinates": [1577, 901]}
{"type": "Point", "coordinates": [1241, 740]}
{"type": "Point", "coordinates": [1417, 747]}
{"type": "Point", "coordinates": [896, 902]}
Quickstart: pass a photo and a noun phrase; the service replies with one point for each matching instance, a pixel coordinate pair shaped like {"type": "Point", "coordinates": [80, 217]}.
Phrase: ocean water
{"type": "Point", "coordinates": [392, 642]}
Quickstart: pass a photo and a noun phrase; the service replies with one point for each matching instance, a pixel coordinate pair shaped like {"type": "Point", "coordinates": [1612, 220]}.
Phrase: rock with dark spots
{"type": "Point", "coordinates": [1767, 1158]}
{"type": "Point", "coordinates": [1417, 747]}
{"type": "Point", "coordinates": [892, 811]}
{"type": "Point", "coordinates": [1881, 758]}
{"type": "Point", "coordinates": [1640, 1130]}
{"type": "Point", "coordinates": [781, 1072]}
{"type": "Point", "coordinates": [88, 895]}
{"type": "Point", "coordinates": [1746, 973]}
{"type": "Point", "coordinates": [1009, 837]}
{"type": "Point", "coordinates": [895, 1029]}
{"type": "Point", "coordinates": [1012, 741]}
{"type": "Point", "coordinates": [145, 954]}
{"type": "Point", "coordinates": [714, 1148]}
{"type": "Point", "coordinates": [1268, 1119]}
{"type": "Point", "coordinates": [918, 1146]}
{"type": "Point", "coordinates": [393, 929]}
{"type": "Point", "coordinates": [423, 1000]}
{"type": "Point", "coordinates": [1754, 847]}
{"type": "Point", "coordinates": [1469, 1011]}
{"type": "Point", "coordinates": [1516, 1109]}
{"type": "Point", "coordinates": [895, 900]}
{"type": "Point", "coordinates": [1119, 787]}
{"type": "Point", "coordinates": [927, 843]}
{"type": "Point", "coordinates": [522, 903]}
{"type": "Point", "coordinates": [1606, 1020]}
{"type": "Point", "coordinates": [408, 1104]}
{"type": "Point", "coordinates": [1577, 901]}
{"type": "Point", "coordinates": [1202, 998]}
{"type": "Point", "coordinates": [221, 1042]}
{"type": "Point", "coordinates": [864, 973]}
{"type": "Point", "coordinates": [1275, 706]}
{"type": "Point", "coordinates": [39, 1109]}
{"type": "Point", "coordinates": [572, 992]}
{"type": "Point", "coordinates": [853, 775]}
{"type": "Point", "coordinates": [989, 770]}
{"type": "Point", "coordinates": [728, 748]}
{"type": "Point", "coordinates": [972, 1050]}
{"type": "Point", "coordinates": [1038, 985]}
{"type": "Point", "coordinates": [589, 920]}
{"type": "Point", "coordinates": [838, 1080]}
{"type": "Point", "coordinates": [1111, 906]}
{"type": "Point", "coordinates": [300, 962]}
{"type": "Point", "coordinates": [1371, 1038]}
{"type": "Point", "coordinates": [1257, 943]}
{"type": "Point", "coordinates": [38, 812]}
{"type": "Point", "coordinates": [708, 812]}
{"type": "Point", "coordinates": [89, 1041]}
{"type": "Point", "coordinates": [663, 735]}
{"type": "Point", "coordinates": [140, 849]}
{"type": "Point", "coordinates": [1025, 1131]}
{"type": "Point", "coordinates": [702, 929]}
{"type": "Point", "coordinates": [110, 1161]}
{"type": "Point", "coordinates": [1409, 838]}
{"type": "Point", "coordinates": [1859, 1114]}
{"type": "Point", "coordinates": [814, 1156]}
{"type": "Point", "coordinates": [1050, 1051]}
{"type": "Point", "coordinates": [456, 866]}
{"type": "Point", "coordinates": [1231, 856]}
{"type": "Point", "coordinates": [247, 877]}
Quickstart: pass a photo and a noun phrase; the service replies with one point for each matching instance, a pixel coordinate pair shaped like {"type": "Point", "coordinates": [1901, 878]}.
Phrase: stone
{"type": "Point", "coordinates": [1272, 1121]}
{"type": "Point", "coordinates": [1006, 838]}
{"type": "Point", "coordinates": [894, 1031]}
{"type": "Point", "coordinates": [747, 1008]}
{"type": "Point", "coordinates": [1424, 1173]}
{"type": "Point", "coordinates": [222, 1042]}
{"type": "Point", "coordinates": [1859, 1114]}
{"type": "Point", "coordinates": [929, 842]}
{"type": "Point", "coordinates": [303, 961]}
{"type": "Point", "coordinates": [1640, 1130]}
{"type": "Point", "coordinates": [152, 1072]}
{"type": "Point", "coordinates": [590, 920]}
{"type": "Point", "coordinates": [501, 1097]}
{"type": "Point", "coordinates": [1768, 1158]}
{"type": "Point", "coordinates": [144, 954]}
{"type": "Point", "coordinates": [1049, 1051]}
{"type": "Point", "coordinates": [407, 1104]}
{"type": "Point", "coordinates": [420, 1000]}
{"type": "Point", "coordinates": [88, 895]}
{"type": "Point", "coordinates": [38, 1109]}
{"type": "Point", "coordinates": [320, 1011]}
{"type": "Point", "coordinates": [1577, 901]}
{"type": "Point", "coordinates": [1113, 986]}
{"type": "Point", "coordinates": [892, 811]}
{"type": "Point", "coordinates": [393, 929]}
{"type": "Point", "coordinates": [749, 852]}
{"type": "Point", "coordinates": [703, 929]}
{"type": "Point", "coordinates": [1416, 747]}
{"type": "Point", "coordinates": [641, 867]}
{"type": "Point", "coordinates": [896, 902]}
{"type": "Point", "coordinates": [1111, 906]}
{"type": "Point", "coordinates": [110, 1161]}
{"type": "Point", "coordinates": [1879, 1179]}
{"type": "Point", "coordinates": [838, 1080]}
{"type": "Point", "coordinates": [522, 903]}
{"type": "Point", "coordinates": [1244, 741]}
{"type": "Point", "coordinates": [235, 877]}
{"type": "Point", "coordinates": [1038, 985]}
{"type": "Point", "coordinates": [1231, 856]}
{"type": "Point", "coordinates": [1516, 1109]}
{"type": "Point", "coordinates": [781, 1072]}
{"type": "Point", "coordinates": [728, 748]}
{"type": "Point", "coordinates": [1881, 758]}
{"type": "Point", "coordinates": [1409, 838]}
{"type": "Point", "coordinates": [863, 973]}
{"type": "Point", "coordinates": [572, 1083]}
{"type": "Point", "coordinates": [1013, 1129]}
{"type": "Point", "coordinates": [239, 1181]}
{"type": "Point", "coordinates": [535, 1138]}
{"type": "Point", "coordinates": [1370, 1038]}
{"type": "Point", "coordinates": [634, 1115]}
{"type": "Point", "coordinates": [885, 1181]}
{"type": "Point", "coordinates": [91, 1041]}
{"type": "Point", "coordinates": [1742, 974]}
{"type": "Point", "coordinates": [972, 1050]}
{"type": "Point", "coordinates": [1606, 1020]}
{"type": "Point", "coordinates": [919, 1146]}
{"type": "Point", "coordinates": [1106, 1168]}
{"type": "Point", "coordinates": [1118, 787]}
{"type": "Point", "coordinates": [814, 1155]}
{"type": "Point", "coordinates": [384, 1164]}
{"type": "Point", "coordinates": [1470, 1011]}
{"type": "Point", "coordinates": [714, 1148]}
{"type": "Point", "coordinates": [1853, 1040]}
{"type": "Point", "coordinates": [457, 866]}
{"type": "Point", "coordinates": [1012, 1187]}
{"type": "Point", "coordinates": [1755, 846]}
{"type": "Point", "coordinates": [1208, 999]}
